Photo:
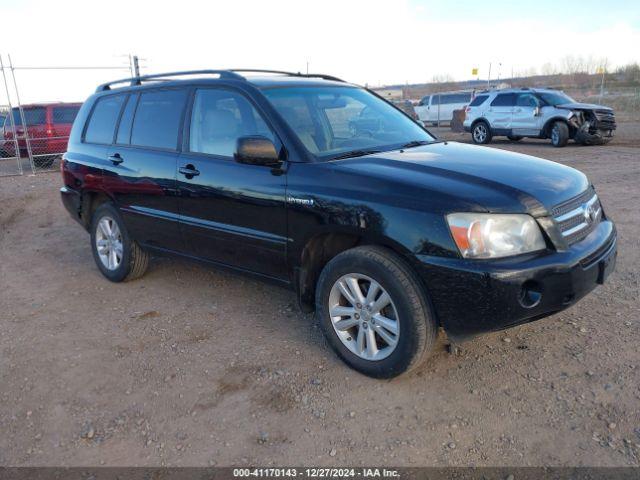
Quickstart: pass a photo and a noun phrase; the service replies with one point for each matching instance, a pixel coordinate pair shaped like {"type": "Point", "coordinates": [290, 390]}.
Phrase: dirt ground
{"type": "Point", "coordinates": [190, 366]}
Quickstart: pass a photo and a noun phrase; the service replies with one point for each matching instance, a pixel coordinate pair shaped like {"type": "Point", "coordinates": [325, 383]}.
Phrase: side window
{"type": "Point", "coordinates": [424, 102]}
{"type": "Point", "coordinates": [65, 114]}
{"type": "Point", "coordinates": [435, 99]}
{"type": "Point", "coordinates": [126, 120]}
{"type": "Point", "coordinates": [102, 124]}
{"type": "Point", "coordinates": [157, 119]}
{"type": "Point", "coordinates": [504, 100]}
{"type": "Point", "coordinates": [218, 118]}
{"type": "Point", "coordinates": [526, 100]}
{"type": "Point", "coordinates": [479, 100]}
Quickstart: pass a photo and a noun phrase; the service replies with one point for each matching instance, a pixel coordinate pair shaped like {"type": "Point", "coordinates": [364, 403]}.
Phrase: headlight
{"type": "Point", "coordinates": [488, 235]}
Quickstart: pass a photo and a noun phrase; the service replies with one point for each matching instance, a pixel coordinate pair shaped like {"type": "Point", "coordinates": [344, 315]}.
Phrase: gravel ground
{"type": "Point", "coordinates": [189, 366]}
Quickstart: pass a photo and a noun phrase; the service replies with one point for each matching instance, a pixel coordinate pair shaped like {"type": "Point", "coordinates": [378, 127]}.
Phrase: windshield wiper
{"type": "Point", "coordinates": [417, 143]}
{"type": "Point", "coordinates": [355, 153]}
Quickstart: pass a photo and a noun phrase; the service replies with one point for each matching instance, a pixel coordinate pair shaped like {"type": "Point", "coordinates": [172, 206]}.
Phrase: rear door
{"type": "Point", "coordinates": [500, 112]}
{"type": "Point", "coordinates": [231, 213]}
{"type": "Point", "coordinates": [141, 165]}
{"type": "Point", "coordinates": [524, 120]}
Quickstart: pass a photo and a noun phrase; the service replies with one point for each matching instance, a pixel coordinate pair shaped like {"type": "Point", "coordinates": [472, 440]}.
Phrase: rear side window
{"type": "Point", "coordinates": [158, 118]}
{"type": "Point", "coordinates": [479, 100]}
{"type": "Point", "coordinates": [102, 124]}
{"type": "Point", "coordinates": [124, 130]}
{"type": "Point", "coordinates": [33, 116]}
{"type": "Point", "coordinates": [504, 100]}
{"type": "Point", "coordinates": [65, 114]}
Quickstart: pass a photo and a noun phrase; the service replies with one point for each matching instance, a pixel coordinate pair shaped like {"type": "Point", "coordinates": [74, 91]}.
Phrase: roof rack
{"type": "Point", "coordinates": [293, 74]}
{"type": "Point", "coordinates": [161, 76]}
{"type": "Point", "coordinates": [229, 73]}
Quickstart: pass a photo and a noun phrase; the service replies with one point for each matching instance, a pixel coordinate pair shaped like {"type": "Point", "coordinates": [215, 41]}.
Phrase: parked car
{"type": "Point", "coordinates": [439, 107]}
{"type": "Point", "coordinates": [537, 113]}
{"type": "Point", "coordinates": [385, 231]}
{"type": "Point", "coordinates": [407, 107]}
{"type": "Point", "coordinates": [48, 127]}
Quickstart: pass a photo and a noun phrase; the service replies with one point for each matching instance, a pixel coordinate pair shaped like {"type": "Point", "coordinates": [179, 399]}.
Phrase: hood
{"type": "Point", "coordinates": [456, 176]}
{"type": "Point", "coordinates": [583, 106]}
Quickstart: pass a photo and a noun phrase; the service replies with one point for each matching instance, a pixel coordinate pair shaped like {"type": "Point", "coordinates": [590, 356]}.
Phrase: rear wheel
{"type": "Point", "coordinates": [118, 257]}
{"type": "Point", "coordinates": [481, 133]}
{"type": "Point", "coordinates": [373, 312]}
{"type": "Point", "coordinates": [559, 134]}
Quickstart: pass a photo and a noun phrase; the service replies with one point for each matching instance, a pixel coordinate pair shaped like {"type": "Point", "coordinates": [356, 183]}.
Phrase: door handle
{"type": "Point", "coordinates": [189, 171]}
{"type": "Point", "coordinates": [116, 159]}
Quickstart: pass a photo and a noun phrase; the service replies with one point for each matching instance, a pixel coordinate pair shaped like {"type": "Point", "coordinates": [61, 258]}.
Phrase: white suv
{"type": "Point", "coordinates": [537, 113]}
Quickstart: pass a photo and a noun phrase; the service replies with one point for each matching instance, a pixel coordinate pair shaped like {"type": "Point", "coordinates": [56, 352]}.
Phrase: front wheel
{"type": "Point", "coordinates": [118, 257]}
{"type": "Point", "coordinates": [559, 134]}
{"type": "Point", "coordinates": [373, 312]}
{"type": "Point", "coordinates": [481, 133]}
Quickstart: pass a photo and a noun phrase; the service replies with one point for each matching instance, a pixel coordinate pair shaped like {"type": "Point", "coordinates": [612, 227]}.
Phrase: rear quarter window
{"type": "Point", "coordinates": [102, 123]}
{"type": "Point", "coordinates": [158, 118]}
{"type": "Point", "coordinates": [479, 100]}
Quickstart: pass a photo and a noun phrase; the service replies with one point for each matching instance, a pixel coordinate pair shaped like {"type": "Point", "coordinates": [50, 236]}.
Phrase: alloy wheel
{"type": "Point", "coordinates": [109, 243]}
{"type": "Point", "coordinates": [480, 133]}
{"type": "Point", "coordinates": [364, 316]}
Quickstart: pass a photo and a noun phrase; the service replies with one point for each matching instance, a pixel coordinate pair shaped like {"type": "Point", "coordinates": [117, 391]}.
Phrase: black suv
{"type": "Point", "coordinates": [323, 186]}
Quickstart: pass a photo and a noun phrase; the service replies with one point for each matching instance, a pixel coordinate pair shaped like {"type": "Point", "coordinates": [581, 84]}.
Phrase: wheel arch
{"type": "Point", "coordinates": [91, 200]}
{"type": "Point", "coordinates": [322, 247]}
{"type": "Point", "coordinates": [546, 129]}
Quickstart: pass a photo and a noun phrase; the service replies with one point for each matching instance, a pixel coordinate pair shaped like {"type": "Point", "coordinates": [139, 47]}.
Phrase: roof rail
{"type": "Point", "coordinates": [293, 74]}
{"type": "Point", "coordinates": [159, 76]}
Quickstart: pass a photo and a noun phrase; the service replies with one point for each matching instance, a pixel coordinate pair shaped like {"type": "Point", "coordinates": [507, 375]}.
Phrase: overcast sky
{"type": "Point", "coordinates": [374, 42]}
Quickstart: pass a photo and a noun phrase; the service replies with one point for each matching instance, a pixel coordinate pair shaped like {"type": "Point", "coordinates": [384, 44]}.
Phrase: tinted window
{"type": "Point", "coordinates": [504, 100]}
{"type": "Point", "coordinates": [424, 101]}
{"type": "Point", "coordinates": [479, 100]}
{"type": "Point", "coordinates": [33, 116]}
{"type": "Point", "coordinates": [102, 123]}
{"type": "Point", "coordinates": [124, 129]}
{"type": "Point", "coordinates": [526, 100]}
{"type": "Point", "coordinates": [218, 118]}
{"type": "Point", "coordinates": [65, 114]}
{"type": "Point", "coordinates": [330, 121]}
{"type": "Point", "coordinates": [435, 99]}
{"type": "Point", "coordinates": [157, 119]}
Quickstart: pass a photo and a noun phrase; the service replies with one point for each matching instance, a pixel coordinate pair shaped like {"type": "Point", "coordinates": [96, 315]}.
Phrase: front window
{"type": "Point", "coordinates": [333, 121]}
{"type": "Point", "coordinates": [556, 98]}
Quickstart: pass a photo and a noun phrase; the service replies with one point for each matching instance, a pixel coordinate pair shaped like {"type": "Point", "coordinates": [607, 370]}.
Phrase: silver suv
{"type": "Point", "coordinates": [537, 113]}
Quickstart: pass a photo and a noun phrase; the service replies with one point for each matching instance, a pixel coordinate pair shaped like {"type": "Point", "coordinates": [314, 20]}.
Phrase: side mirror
{"type": "Point", "coordinates": [256, 150]}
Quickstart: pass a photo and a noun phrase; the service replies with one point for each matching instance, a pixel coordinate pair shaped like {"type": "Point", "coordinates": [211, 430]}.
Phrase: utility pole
{"type": "Point", "coordinates": [489, 77]}
{"type": "Point", "coordinates": [136, 66]}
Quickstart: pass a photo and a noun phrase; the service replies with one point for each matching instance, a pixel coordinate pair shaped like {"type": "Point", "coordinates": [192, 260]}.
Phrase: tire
{"type": "Point", "coordinates": [514, 138]}
{"type": "Point", "coordinates": [559, 134]}
{"type": "Point", "coordinates": [133, 260]}
{"type": "Point", "coordinates": [481, 133]}
{"type": "Point", "coordinates": [408, 311]}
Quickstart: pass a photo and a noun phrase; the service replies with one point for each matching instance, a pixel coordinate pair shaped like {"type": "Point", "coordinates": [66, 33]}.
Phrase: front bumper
{"type": "Point", "coordinates": [472, 296]}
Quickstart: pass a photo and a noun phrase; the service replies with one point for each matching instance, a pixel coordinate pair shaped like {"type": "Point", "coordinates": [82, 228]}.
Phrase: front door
{"type": "Point", "coordinates": [231, 213]}
{"type": "Point", "coordinates": [524, 120]}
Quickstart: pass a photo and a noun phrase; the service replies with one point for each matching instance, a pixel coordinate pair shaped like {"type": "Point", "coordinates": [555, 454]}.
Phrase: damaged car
{"type": "Point", "coordinates": [537, 113]}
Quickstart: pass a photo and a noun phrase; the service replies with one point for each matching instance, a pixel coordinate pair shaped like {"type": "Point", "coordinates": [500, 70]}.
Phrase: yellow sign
{"type": "Point", "coordinates": [600, 70]}
{"type": "Point", "coordinates": [474, 71]}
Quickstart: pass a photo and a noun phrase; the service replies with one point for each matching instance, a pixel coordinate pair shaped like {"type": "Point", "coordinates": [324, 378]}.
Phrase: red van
{"type": "Point", "coordinates": [48, 127]}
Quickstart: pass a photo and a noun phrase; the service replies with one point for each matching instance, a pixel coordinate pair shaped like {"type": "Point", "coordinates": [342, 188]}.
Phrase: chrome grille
{"type": "Point", "coordinates": [578, 217]}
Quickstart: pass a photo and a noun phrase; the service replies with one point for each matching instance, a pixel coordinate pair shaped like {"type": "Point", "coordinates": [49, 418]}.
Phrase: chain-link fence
{"type": "Point", "coordinates": [34, 135]}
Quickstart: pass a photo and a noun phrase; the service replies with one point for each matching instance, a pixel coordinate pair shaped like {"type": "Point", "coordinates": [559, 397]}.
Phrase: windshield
{"type": "Point", "coordinates": [332, 121]}
{"type": "Point", "coordinates": [556, 98]}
